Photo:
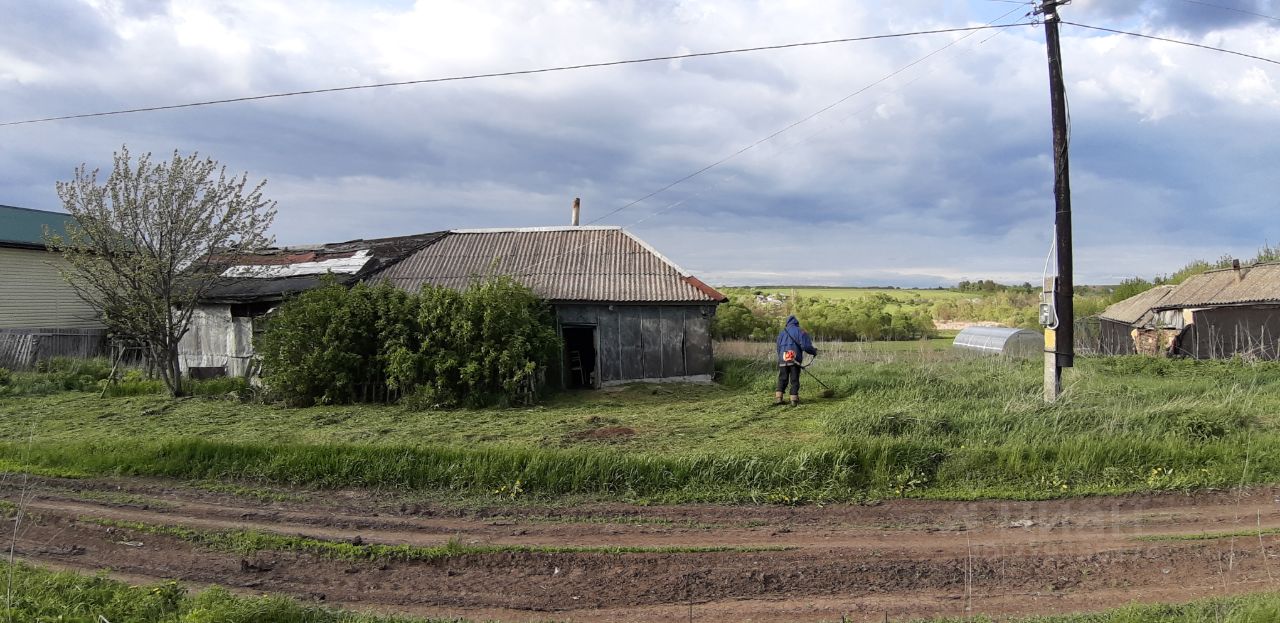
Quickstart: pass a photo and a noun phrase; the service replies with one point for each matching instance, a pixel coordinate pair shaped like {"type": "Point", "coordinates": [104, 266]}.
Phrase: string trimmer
{"type": "Point", "coordinates": [827, 392]}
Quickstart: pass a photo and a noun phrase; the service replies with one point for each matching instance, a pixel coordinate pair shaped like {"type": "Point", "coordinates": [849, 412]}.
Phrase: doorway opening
{"type": "Point", "coordinates": [580, 357]}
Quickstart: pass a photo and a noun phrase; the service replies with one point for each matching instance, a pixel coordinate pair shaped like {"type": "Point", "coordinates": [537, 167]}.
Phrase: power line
{"type": "Point", "coordinates": [800, 121]}
{"type": "Point", "coordinates": [500, 74]}
{"type": "Point", "coordinates": [1228, 8]}
{"type": "Point", "coordinates": [698, 193]}
{"type": "Point", "coordinates": [1177, 41]}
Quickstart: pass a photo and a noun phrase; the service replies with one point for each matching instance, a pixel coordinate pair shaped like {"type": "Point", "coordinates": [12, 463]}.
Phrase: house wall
{"type": "Point", "coordinates": [1222, 332]}
{"type": "Point", "coordinates": [33, 294]}
{"type": "Point", "coordinates": [1115, 338]}
{"type": "Point", "coordinates": [216, 339]}
{"type": "Point", "coordinates": [647, 342]}
{"type": "Point", "coordinates": [40, 315]}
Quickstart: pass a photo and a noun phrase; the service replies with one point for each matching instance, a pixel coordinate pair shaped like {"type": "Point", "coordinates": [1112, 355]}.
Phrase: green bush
{"type": "Point", "coordinates": [220, 387]}
{"type": "Point", "coordinates": [867, 318]}
{"type": "Point", "coordinates": [736, 321]}
{"type": "Point", "coordinates": [440, 347]}
{"type": "Point", "coordinates": [6, 377]}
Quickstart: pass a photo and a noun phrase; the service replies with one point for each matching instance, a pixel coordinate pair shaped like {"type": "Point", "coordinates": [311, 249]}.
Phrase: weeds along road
{"type": "Point", "coordinates": [614, 562]}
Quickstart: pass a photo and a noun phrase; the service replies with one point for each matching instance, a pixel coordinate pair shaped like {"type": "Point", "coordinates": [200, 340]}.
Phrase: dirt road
{"type": "Point", "coordinates": [902, 558]}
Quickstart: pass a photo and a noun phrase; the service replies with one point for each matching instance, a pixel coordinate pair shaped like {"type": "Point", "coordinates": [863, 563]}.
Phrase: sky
{"type": "Point", "coordinates": [933, 165]}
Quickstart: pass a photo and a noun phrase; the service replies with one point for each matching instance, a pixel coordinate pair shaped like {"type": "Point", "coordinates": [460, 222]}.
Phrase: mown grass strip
{"type": "Point", "coordinates": [256, 493]}
{"type": "Point", "coordinates": [43, 595]}
{"type": "Point", "coordinates": [253, 541]}
{"type": "Point", "coordinates": [1209, 536]}
{"type": "Point", "coordinates": [1257, 608]}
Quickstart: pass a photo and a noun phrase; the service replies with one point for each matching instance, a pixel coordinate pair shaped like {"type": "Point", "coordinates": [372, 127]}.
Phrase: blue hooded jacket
{"type": "Point", "coordinates": [793, 338]}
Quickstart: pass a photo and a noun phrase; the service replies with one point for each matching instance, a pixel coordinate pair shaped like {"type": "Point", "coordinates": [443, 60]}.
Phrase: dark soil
{"type": "Point", "coordinates": [902, 559]}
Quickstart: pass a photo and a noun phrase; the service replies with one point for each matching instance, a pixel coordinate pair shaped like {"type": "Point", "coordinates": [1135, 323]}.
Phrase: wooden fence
{"type": "Point", "coordinates": [20, 349]}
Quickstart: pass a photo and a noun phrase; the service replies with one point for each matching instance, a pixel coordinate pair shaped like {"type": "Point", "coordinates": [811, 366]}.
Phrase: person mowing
{"type": "Point", "coordinates": [793, 343]}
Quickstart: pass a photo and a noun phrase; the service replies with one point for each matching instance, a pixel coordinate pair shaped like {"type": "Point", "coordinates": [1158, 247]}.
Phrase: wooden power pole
{"type": "Point", "coordinates": [1059, 342]}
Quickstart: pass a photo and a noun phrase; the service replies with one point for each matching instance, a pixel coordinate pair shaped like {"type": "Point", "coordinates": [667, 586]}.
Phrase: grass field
{"type": "Point", "coordinates": [1010, 308]}
{"type": "Point", "coordinates": [838, 293]}
{"type": "Point", "coordinates": [921, 423]}
{"type": "Point", "coordinates": [40, 595]}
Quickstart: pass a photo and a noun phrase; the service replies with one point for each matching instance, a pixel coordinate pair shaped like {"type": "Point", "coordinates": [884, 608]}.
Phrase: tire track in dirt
{"type": "Point", "coordinates": [901, 558]}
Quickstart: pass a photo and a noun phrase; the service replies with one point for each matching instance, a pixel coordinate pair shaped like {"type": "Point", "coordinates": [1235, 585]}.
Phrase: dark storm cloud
{"type": "Point", "coordinates": [49, 31]}
{"type": "Point", "coordinates": [940, 173]}
{"type": "Point", "coordinates": [1202, 17]}
{"type": "Point", "coordinates": [1191, 16]}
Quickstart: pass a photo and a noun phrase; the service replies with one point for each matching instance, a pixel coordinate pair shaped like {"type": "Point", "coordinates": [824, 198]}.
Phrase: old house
{"type": "Point", "coordinates": [1121, 324]}
{"type": "Point", "coordinates": [40, 314]}
{"type": "Point", "coordinates": [1217, 314]}
{"type": "Point", "coordinates": [625, 312]}
{"type": "Point", "coordinates": [1225, 313]}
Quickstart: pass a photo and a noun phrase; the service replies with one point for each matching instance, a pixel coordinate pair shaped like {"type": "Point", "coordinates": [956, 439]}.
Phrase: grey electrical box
{"type": "Point", "coordinates": [1046, 314]}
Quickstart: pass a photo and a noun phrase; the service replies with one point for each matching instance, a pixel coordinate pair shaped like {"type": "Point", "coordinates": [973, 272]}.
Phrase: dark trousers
{"type": "Point", "coordinates": [789, 374]}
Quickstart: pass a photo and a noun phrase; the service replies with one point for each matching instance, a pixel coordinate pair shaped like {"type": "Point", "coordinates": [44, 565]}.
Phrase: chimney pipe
{"type": "Point", "coordinates": [1235, 265]}
{"type": "Point", "coordinates": [577, 208]}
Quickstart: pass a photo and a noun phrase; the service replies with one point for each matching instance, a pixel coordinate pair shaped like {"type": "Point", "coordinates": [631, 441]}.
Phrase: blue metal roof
{"type": "Point", "coordinates": [24, 227]}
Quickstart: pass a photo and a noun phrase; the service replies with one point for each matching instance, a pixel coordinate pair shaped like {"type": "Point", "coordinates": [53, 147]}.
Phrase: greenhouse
{"type": "Point", "coordinates": [1000, 341]}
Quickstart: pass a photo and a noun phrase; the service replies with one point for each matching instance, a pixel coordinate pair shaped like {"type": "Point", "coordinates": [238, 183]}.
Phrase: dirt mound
{"type": "Point", "coordinates": [604, 433]}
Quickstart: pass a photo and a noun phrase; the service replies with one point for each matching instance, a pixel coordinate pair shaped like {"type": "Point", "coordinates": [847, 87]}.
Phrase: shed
{"type": "Point", "coordinates": [222, 328]}
{"type": "Point", "coordinates": [624, 311]}
{"type": "Point", "coordinates": [41, 316]}
{"type": "Point", "coordinates": [1225, 312]}
{"type": "Point", "coordinates": [1122, 323]}
{"type": "Point", "coordinates": [1000, 341]}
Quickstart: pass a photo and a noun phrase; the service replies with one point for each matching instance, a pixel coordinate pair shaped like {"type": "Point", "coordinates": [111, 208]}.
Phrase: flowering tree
{"type": "Point", "coordinates": [145, 246]}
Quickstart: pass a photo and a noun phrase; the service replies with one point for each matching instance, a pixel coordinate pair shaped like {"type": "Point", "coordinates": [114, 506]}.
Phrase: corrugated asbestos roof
{"type": "Point", "coordinates": [1259, 283]}
{"type": "Point", "coordinates": [1132, 309]}
{"type": "Point", "coordinates": [589, 264]}
{"type": "Point", "coordinates": [24, 227]}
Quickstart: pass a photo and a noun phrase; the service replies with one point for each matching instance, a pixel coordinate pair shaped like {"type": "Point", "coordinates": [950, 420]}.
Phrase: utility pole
{"type": "Point", "coordinates": [1059, 335]}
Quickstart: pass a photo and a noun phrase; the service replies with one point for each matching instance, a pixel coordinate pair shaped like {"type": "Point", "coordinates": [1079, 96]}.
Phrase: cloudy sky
{"type": "Point", "coordinates": [928, 172]}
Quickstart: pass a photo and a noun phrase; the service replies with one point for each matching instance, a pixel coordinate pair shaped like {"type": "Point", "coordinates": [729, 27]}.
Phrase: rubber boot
{"type": "Point", "coordinates": [795, 400]}
{"type": "Point", "coordinates": [777, 399]}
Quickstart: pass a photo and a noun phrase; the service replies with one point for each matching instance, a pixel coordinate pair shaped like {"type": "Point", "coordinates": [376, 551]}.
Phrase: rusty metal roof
{"type": "Point", "coordinates": [1132, 309]}
{"type": "Point", "coordinates": [1259, 283]}
{"type": "Point", "coordinates": [586, 264]}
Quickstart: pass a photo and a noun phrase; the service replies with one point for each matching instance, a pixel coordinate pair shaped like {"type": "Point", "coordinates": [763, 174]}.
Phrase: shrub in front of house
{"type": "Point", "coordinates": [438, 348]}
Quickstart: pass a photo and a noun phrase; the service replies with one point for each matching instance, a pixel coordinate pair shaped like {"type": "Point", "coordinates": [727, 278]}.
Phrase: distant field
{"type": "Point", "coordinates": [853, 293]}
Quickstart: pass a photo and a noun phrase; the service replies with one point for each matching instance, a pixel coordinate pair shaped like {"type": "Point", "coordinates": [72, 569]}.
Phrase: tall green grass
{"type": "Point", "coordinates": [922, 426]}
{"type": "Point", "coordinates": [43, 595]}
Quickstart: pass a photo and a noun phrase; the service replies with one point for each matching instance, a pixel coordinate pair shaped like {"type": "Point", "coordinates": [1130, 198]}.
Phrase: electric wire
{"type": "Point", "coordinates": [1228, 8]}
{"type": "Point", "coordinates": [819, 131]}
{"type": "Point", "coordinates": [1177, 41]}
{"type": "Point", "coordinates": [797, 123]}
{"type": "Point", "coordinates": [521, 72]}
{"type": "Point", "coordinates": [698, 193]}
